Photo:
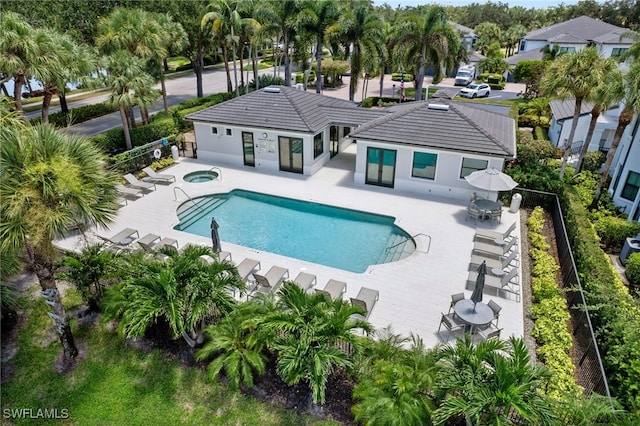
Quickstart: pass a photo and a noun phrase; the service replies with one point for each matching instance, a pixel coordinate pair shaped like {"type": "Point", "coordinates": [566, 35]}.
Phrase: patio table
{"type": "Point", "coordinates": [474, 318]}
{"type": "Point", "coordinates": [487, 206]}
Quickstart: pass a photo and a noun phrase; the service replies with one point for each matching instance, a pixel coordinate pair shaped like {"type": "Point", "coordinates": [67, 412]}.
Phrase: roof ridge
{"type": "Point", "coordinates": [388, 117]}
{"type": "Point", "coordinates": [461, 113]}
{"type": "Point", "coordinates": [294, 104]}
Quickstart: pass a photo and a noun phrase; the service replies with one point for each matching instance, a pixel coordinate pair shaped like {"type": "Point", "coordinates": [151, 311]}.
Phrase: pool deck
{"type": "Point", "coordinates": [413, 291]}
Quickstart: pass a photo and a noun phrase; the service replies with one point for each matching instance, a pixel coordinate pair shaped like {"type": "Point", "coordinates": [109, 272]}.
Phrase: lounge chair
{"type": "Point", "coordinates": [129, 192]}
{"type": "Point", "coordinates": [366, 299]}
{"type": "Point", "coordinates": [334, 289]}
{"type": "Point", "coordinates": [305, 281]}
{"type": "Point", "coordinates": [486, 234]}
{"type": "Point", "coordinates": [247, 267]}
{"type": "Point", "coordinates": [138, 184]}
{"type": "Point", "coordinates": [508, 282]}
{"type": "Point", "coordinates": [501, 263]}
{"type": "Point", "coordinates": [270, 281]}
{"type": "Point", "coordinates": [152, 243]}
{"type": "Point", "coordinates": [152, 176]}
{"type": "Point", "coordinates": [451, 323]}
{"type": "Point", "coordinates": [122, 239]}
{"type": "Point", "coordinates": [494, 250]}
{"type": "Point", "coordinates": [222, 256]}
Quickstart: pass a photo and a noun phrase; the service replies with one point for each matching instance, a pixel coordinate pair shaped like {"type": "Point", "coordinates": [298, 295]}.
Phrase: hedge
{"type": "Point", "coordinates": [615, 314]}
{"type": "Point", "coordinates": [550, 313]}
{"type": "Point", "coordinates": [78, 115]}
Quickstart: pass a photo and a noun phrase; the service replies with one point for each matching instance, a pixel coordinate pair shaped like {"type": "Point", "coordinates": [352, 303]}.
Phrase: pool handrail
{"type": "Point", "coordinates": [175, 196]}
{"type": "Point", "coordinates": [217, 170]}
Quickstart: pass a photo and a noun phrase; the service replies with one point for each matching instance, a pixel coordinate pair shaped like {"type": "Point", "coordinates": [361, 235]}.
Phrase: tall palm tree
{"type": "Point", "coordinates": [423, 39]}
{"type": "Point", "coordinates": [279, 17]}
{"type": "Point", "coordinates": [315, 18]}
{"type": "Point", "coordinates": [307, 329]}
{"type": "Point", "coordinates": [364, 31]}
{"type": "Point", "coordinates": [512, 36]}
{"type": "Point", "coordinates": [484, 383]}
{"type": "Point", "coordinates": [627, 90]}
{"type": "Point", "coordinates": [488, 33]}
{"type": "Point", "coordinates": [49, 181]}
{"type": "Point", "coordinates": [574, 75]}
{"type": "Point", "coordinates": [173, 39]}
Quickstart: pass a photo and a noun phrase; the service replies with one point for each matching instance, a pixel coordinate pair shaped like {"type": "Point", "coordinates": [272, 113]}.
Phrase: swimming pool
{"type": "Point", "coordinates": [332, 236]}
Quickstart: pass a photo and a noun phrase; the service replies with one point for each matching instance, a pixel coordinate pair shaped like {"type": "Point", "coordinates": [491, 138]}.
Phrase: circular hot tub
{"type": "Point", "coordinates": [200, 176]}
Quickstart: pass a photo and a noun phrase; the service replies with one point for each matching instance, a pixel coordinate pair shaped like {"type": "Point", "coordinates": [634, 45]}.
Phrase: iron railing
{"type": "Point", "coordinates": [590, 372]}
{"type": "Point", "coordinates": [142, 156]}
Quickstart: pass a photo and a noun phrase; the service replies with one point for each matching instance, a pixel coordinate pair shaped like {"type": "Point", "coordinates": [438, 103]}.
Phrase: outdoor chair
{"type": "Point", "coordinates": [270, 281]}
{"type": "Point", "coordinates": [455, 298]}
{"type": "Point", "coordinates": [129, 192]}
{"type": "Point", "coordinates": [486, 234]}
{"type": "Point", "coordinates": [221, 257]}
{"type": "Point", "coordinates": [152, 176]}
{"type": "Point", "coordinates": [122, 239]}
{"type": "Point", "coordinates": [496, 311]}
{"type": "Point", "coordinates": [247, 267]}
{"type": "Point", "coordinates": [305, 281]}
{"type": "Point", "coordinates": [151, 243]}
{"type": "Point", "coordinates": [138, 184]}
{"type": "Point", "coordinates": [496, 214]}
{"type": "Point", "coordinates": [366, 299]}
{"type": "Point", "coordinates": [474, 212]}
{"type": "Point", "coordinates": [334, 289]}
{"type": "Point", "coordinates": [452, 325]}
{"type": "Point", "coordinates": [507, 282]}
{"type": "Point", "coordinates": [489, 333]}
{"type": "Point", "coordinates": [491, 263]}
{"type": "Point", "coordinates": [496, 251]}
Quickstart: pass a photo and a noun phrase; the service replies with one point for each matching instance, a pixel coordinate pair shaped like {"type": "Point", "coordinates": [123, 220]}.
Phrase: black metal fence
{"type": "Point", "coordinates": [139, 157]}
{"type": "Point", "coordinates": [589, 369]}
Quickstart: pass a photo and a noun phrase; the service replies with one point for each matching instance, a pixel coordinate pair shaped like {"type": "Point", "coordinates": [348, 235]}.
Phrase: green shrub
{"type": "Point", "coordinates": [397, 76]}
{"type": "Point", "coordinates": [593, 160]}
{"type": "Point", "coordinates": [614, 230]}
{"type": "Point", "coordinates": [633, 269]}
{"type": "Point", "coordinates": [78, 115]}
{"type": "Point", "coordinates": [378, 101]}
{"type": "Point", "coordinates": [540, 132]}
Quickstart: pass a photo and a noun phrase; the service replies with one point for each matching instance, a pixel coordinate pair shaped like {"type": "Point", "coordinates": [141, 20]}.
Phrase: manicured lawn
{"type": "Point", "coordinates": [117, 384]}
{"type": "Point", "coordinates": [177, 61]}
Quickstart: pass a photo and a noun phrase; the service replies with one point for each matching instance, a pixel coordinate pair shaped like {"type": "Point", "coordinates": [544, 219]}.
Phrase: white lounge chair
{"type": "Point", "coordinates": [152, 176]}
{"type": "Point", "coordinates": [494, 250]}
{"type": "Point", "coordinates": [129, 192]}
{"type": "Point", "coordinates": [122, 239]}
{"type": "Point", "coordinates": [247, 267]}
{"type": "Point", "coordinates": [502, 263]}
{"type": "Point", "coordinates": [270, 281]}
{"type": "Point", "coordinates": [486, 234]}
{"type": "Point", "coordinates": [152, 243]}
{"type": "Point", "coordinates": [305, 281]}
{"type": "Point", "coordinates": [507, 282]}
{"type": "Point", "coordinates": [366, 299]}
{"type": "Point", "coordinates": [334, 289]}
{"type": "Point", "coordinates": [135, 183]}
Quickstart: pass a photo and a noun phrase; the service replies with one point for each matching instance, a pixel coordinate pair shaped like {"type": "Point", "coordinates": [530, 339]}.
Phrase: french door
{"type": "Point", "coordinates": [381, 166]}
{"type": "Point", "coordinates": [290, 151]}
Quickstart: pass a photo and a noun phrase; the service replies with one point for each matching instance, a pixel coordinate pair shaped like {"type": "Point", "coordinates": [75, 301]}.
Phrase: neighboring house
{"type": "Point", "coordinates": [625, 170]}
{"type": "Point", "coordinates": [562, 118]}
{"type": "Point", "coordinates": [576, 34]}
{"type": "Point", "coordinates": [419, 146]}
{"type": "Point", "coordinates": [467, 36]}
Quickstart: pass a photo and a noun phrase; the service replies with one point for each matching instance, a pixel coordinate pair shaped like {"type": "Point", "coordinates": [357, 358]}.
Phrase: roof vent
{"type": "Point", "coordinates": [439, 107]}
{"type": "Point", "coordinates": [272, 89]}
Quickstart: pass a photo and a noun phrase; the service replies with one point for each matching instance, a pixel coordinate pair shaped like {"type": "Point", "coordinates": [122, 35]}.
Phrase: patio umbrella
{"type": "Point", "coordinates": [476, 296]}
{"type": "Point", "coordinates": [491, 180]}
{"type": "Point", "coordinates": [215, 237]}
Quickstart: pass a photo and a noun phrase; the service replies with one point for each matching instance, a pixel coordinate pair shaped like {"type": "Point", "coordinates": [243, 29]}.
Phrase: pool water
{"type": "Point", "coordinates": [341, 238]}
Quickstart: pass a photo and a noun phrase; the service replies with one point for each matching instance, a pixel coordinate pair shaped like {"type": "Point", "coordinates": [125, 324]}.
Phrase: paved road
{"type": "Point", "coordinates": [182, 88]}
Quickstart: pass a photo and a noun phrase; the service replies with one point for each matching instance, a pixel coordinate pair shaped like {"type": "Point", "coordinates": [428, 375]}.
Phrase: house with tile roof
{"type": "Point", "coordinates": [424, 147]}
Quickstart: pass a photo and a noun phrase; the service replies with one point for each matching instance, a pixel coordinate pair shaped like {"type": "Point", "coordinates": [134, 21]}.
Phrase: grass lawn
{"type": "Point", "coordinates": [116, 384]}
{"type": "Point", "coordinates": [177, 61]}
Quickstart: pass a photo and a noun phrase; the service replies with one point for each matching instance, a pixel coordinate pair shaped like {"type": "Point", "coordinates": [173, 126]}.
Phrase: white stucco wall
{"type": "Point", "coordinates": [532, 45]}
{"type": "Point", "coordinates": [628, 150]}
{"type": "Point", "coordinates": [447, 182]}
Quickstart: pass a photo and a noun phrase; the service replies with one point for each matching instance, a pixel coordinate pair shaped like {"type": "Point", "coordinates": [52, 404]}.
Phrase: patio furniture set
{"type": "Point", "coordinates": [483, 209]}
{"type": "Point", "coordinates": [476, 318]}
{"type": "Point", "coordinates": [137, 188]}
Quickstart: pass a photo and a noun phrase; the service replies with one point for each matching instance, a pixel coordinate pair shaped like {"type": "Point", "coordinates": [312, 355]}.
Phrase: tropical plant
{"type": "Point", "coordinates": [173, 39]}
{"type": "Point", "coordinates": [574, 75]}
{"type": "Point", "coordinates": [49, 181]}
{"type": "Point", "coordinates": [550, 53]}
{"type": "Point", "coordinates": [180, 290]}
{"type": "Point", "coordinates": [308, 329]}
{"type": "Point", "coordinates": [488, 34]}
{"type": "Point", "coordinates": [485, 383]}
{"type": "Point", "coordinates": [511, 37]}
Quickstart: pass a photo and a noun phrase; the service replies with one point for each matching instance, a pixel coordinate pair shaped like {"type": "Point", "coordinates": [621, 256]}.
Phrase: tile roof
{"type": "Point", "coordinates": [466, 31]}
{"type": "Point", "coordinates": [529, 55]}
{"type": "Point", "coordinates": [463, 127]}
{"type": "Point", "coordinates": [285, 108]}
{"type": "Point", "coordinates": [580, 30]}
{"type": "Point", "coordinates": [563, 109]}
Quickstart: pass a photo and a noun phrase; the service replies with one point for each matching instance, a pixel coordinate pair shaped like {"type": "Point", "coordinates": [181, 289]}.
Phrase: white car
{"type": "Point", "coordinates": [476, 91]}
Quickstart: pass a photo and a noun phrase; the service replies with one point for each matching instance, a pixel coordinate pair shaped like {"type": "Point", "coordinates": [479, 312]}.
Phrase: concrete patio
{"type": "Point", "coordinates": [413, 291]}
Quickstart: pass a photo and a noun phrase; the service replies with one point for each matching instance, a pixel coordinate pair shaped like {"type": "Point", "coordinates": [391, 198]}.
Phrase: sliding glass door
{"type": "Point", "coordinates": [247, 149]}
{"type": "Point", "coordinates": [381, 166]}
{"type": "Point", "coordinates": [290, 151]}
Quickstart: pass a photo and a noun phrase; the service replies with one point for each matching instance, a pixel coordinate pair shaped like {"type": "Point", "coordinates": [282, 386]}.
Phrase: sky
{"type": "Point", "coordinates": [539, 4]}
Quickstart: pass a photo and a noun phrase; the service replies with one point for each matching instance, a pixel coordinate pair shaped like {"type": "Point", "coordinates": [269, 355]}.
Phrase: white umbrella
{"type": "Point", "coordinates": [491, 180]}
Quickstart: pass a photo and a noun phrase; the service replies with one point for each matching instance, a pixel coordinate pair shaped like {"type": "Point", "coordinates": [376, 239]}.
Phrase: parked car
{"type": "Point", "coordinates": [465, 75]}
{"type": "Point", "coordinates": [476, 91]}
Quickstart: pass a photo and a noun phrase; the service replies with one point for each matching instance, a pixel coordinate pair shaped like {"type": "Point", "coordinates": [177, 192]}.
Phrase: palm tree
{"type": "Point", "coordinates": [173, 39]}
{"type": "Point", "coordinates": [181, 291]}
{"type": "Point", "coordinates": [574, 75]}
{"type": "Point", "coordinates": [485, 383]}
{"type": "Point", "coordinates": [364, 31]}
{"type": "Point", "coordinates": [512, 36]}
{"type": "Point", "coordinates": [423, 39]}
{"type": "Point", "coordinates": [307, 330]}
{"type": "Point", "coordinates": [488, 33]}
{"type": "Point", "coordinates": [627, 90]}
{"type": "Point", "coordinates": [315, 18]}
{"type": "Point", "coordinates": [278, 16]}
{"type": "Point", "coordinates": [50, 180]}
{"type": "Point", "coordinates": [550, 53]}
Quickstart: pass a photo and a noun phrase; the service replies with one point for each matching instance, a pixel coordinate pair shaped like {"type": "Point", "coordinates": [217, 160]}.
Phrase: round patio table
{"type": "Point", "coordinates": [481, 315]}
{"type": "Point", "coordinates": [487, 206]}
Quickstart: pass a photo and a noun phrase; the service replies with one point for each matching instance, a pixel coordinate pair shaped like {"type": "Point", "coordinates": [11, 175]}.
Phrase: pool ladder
{"type": "Point", "coordinates": [388, 249]}
{"type": "Point", "coordinates": [175, 196]}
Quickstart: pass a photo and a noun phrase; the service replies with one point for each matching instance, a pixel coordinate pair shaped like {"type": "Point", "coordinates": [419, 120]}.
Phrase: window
{"type": "Point", "coordinates": [346, 131]}
{"type": "Point", "coordinates": [567, 50]}
{"type": "Point", "coordinates": [470, 165]}
{"type": "Point", "coordinates": [523, 44]}
{"type": "Point", "coordinates": [214, 130]}
{"type": "Point", "coordinates": [424, 165]}
{"type": "Point", "coordinates": [228, 132]}
{"type": "Point", "coordinates": [630, 188]}
{"type": "Point", "coordinates": [318, 144]}
{"type": "Point", "coordinates": [618, 51]}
